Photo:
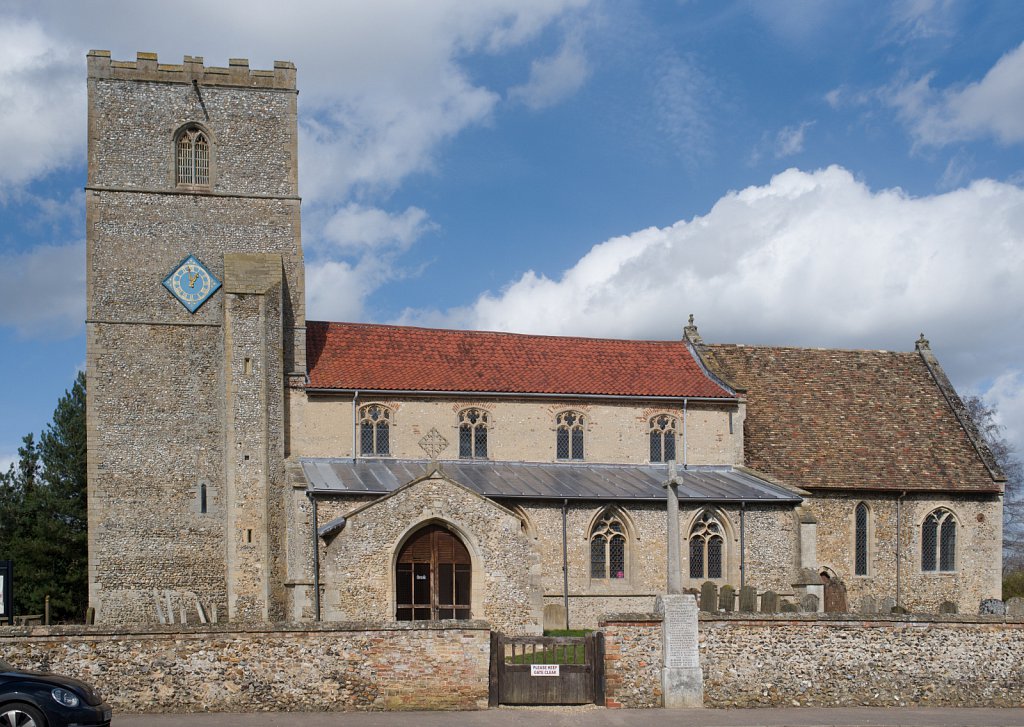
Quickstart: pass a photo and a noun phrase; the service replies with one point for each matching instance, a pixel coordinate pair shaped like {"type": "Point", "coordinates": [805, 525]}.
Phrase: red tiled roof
{"type": "Point", "coordinates": [402, 358]}
{"type": "Point", "coordinates": [820, 418]}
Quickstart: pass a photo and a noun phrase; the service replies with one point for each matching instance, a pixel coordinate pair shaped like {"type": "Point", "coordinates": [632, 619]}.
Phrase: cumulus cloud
{"type": "Point", "coordinates": [44, 292]}
{"type": "Point", "coordinates": [991, 107]}
{"type": "Point", "coordinates": [1007, 395]}
{"type": "Point", "coordinates": [356, 227]}
{"type": "Point", "coordinates": [553, 79]}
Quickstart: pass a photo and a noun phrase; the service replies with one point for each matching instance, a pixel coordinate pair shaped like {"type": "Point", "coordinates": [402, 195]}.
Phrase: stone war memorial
{"type": "Point", "coordinates": [248, 465]}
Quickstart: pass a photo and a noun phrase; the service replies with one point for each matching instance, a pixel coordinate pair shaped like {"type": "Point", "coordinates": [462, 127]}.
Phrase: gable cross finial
{"type": "Point", "coordinates": [690, 333]}
{"type": "Point", "coordinates": [433, 443]}
{"type": "Point", "coordinates": [922, 342]}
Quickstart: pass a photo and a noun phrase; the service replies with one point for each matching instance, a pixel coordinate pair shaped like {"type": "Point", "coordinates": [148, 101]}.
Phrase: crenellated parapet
{"type": "Point", "coordinates": [146, 67]}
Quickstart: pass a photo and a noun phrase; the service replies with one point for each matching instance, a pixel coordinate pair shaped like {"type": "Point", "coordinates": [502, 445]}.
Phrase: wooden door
{"type": "Point", "coordinates": [433, 577]}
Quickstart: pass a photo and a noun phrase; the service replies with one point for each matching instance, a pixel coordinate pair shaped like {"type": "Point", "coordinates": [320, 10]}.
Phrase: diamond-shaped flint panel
{"type": "Point", "coordinates": [433, 443]}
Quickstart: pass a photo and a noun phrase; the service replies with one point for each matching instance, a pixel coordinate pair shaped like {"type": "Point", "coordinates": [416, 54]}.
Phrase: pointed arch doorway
{"type": "Point", "coordinates": [433, 577]}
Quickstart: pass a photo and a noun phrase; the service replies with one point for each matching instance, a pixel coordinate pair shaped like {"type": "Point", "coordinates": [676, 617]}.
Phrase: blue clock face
{"type": "Point", "coordinates": [191, 283]}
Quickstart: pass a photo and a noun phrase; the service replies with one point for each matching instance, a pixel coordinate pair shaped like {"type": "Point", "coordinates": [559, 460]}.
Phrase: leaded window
{"type": "Point", "coordinates": [192, 158]}
{"type": "Point", "coordinates": [663, 438]}
{"type": "Point", "coordinates": [706, 547]}
{"type": "Point", "coordinates": [860, 545]}
{"type": "Point", "coordinates": [938, 542]}
{"type": "Point", "coordinates": [375, 430]}
{"type": "Point", "coordinates": [608, 549]}
{"type": "Point", "coordinates": [569, 426]}
{"type": "Point", "coordinates": [473, 434]}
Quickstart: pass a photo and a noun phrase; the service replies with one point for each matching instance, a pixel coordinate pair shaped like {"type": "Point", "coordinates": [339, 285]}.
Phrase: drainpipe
{"type": "Point", "coordinates": [316, 558]}
{"type": "Point", "coordinates": [899, 501]}
{"type": "Point", "coordinates": [355, 429]}
{"type": "Point", "coordinates": [684, 432]}
{"type": "Point", "coordinates": [743, 554]}
{"type": "Point", "coordinates": [565, 563]}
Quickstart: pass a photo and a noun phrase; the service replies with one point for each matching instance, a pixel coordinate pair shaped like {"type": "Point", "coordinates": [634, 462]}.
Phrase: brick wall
{"type": "Point", "coordinates": [229, 669]}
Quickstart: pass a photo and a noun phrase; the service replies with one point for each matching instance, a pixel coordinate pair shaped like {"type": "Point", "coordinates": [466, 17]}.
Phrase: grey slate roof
{"type": "Point", "coordinates": [545, 481]}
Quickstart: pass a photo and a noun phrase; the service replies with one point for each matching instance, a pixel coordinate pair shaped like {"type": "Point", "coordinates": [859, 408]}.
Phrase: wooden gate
{"type": "Point", "coordinates": [547, 669]}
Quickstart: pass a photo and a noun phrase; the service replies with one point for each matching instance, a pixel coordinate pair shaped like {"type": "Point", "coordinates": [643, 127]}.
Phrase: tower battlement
{"type": "Point", "coordinates": [146, 67]}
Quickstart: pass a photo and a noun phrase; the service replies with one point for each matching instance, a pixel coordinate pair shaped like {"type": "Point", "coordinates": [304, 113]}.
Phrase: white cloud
{"type": "Point", "coordinates": [993, 106]}
{"type": "Point", "coordinates": [44, 290]}
{"type": "Point", "coordinates": [790, 139]}
{"type": "Point", "coordinates": [6, 460]}
{"type": "Point", "coordinates": [1007, 395]}
{"type": "Point", "coordinates": [682, 100]}
{"type": "Point", "coordinates": [912, 20]}
{"type": "Point", "coordinates": [555, 78]}
{"type": "Point", "coordinates": [355, 227]}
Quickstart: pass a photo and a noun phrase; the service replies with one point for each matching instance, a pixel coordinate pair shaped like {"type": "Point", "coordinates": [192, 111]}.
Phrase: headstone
{"type": "Point", "coordinates": [682, 681]}
{"type": "Point", "coordinates": [900, 610]}
{"type": "Point", "coordinates": [554, 617]}
{"type": "Point", "coordinates": [868, 605]}
{"type": "Point", "coordinates": [709, 597]}
{"type": "Point", "coordinates": [748, 599]}
{"type": "Point", "coordinates": [947, 607]}
{"type": "Point", "coordinates": [887, 604]}
{"type": "Point", "coordinates": [835, 596]}
{"type": "Point", "coordinates": [727, 599]}
{"type": "Point", "coordinates": [992, 607]}
{"type": "Point", "coordinates": [787, 606]}
{"type": "Point", "coordinates": [808, 603]}
{"type": "Point", "coordinates": [1015, 606]}
{"type": "Point", "coordinates": [769, 602]}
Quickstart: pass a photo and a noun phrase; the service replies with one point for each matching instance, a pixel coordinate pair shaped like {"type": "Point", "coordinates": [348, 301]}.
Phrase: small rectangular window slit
{"type": "Point", "coordinates": [248, 366]}
{"type": "Point", "coordinates": [248, 535]}
{"type": "Point", "coordinates": [730, 423]}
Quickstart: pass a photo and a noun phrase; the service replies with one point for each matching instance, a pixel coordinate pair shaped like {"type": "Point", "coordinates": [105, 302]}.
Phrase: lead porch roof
{"type": "Point", "coordinates": [329, 476]}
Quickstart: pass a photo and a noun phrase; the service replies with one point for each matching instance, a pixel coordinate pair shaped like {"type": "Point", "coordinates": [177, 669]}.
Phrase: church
{"type": "Point", "coordinates": [249, 465]}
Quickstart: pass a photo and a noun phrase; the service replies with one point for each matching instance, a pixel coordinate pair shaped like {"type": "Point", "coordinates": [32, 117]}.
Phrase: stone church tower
{"type": "Point", "coordinates": [196, 332]}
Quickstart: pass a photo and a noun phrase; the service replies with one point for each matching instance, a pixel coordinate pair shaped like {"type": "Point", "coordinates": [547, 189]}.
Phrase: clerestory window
{"type": "Point", "coordinates": [375, 430]}
{"type": "Point", "coordinates": [472, 434]}
{"type": "Point", "coordinates": [569, 426]}
{"type": "Point", "coordinates": [663, 438]}
{"type": "Point", "coordinates": [192, 158]}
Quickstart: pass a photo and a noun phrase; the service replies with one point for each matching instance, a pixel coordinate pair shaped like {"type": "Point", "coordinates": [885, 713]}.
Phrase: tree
{"type": "Point", "coordinates": [43, 509]}
{"type": "Point", "coordinates": [986, 420]}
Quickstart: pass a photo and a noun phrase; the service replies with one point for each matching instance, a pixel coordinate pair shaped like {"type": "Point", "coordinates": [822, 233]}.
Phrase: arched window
{"type": "Point", "coordinates": [473, 434]}
{"type": "Point", "coordinates": [860, 540]}
{"type": "Point", "coordinates": [663, 438]}
{"type": "Point", "coordinates": [938, 541]}
{"type": "Point", "coordinates": [608, 549]}
{"type": "Point", "coordinates": [375, 430]}
{"type": "Point", "coordinates": [707, 547]}
{"type": "Point", "coordinates": [433, 577]}
{"type": "Point", "coordinates": [569, 437]}
{"type": "Point", "coordinates": [192, 158]}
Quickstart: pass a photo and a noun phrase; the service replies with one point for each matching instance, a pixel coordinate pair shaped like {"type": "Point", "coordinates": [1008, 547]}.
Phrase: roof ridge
{"type": "Point", "coordinates": [808, 348]}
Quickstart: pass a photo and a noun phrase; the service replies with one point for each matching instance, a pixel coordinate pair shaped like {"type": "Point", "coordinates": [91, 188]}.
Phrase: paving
{"type": "Point", "coordinates": [597, 717]}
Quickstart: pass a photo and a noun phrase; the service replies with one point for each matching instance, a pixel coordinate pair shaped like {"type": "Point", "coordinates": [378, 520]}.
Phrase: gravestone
{"type": "Point", "coordinates": [887, 604]}
{"type": "Point", "coordinates": [947, 607]}
{"type": "Point", "coordinates": [682, 681]}
{"type": "Point", "coordinates": [709, 597]}
{"type": "Point", "coordinates": [900, 610]}
{"type": "Point", "coordinates": [992, 607]}
{"type": "Point", "coordinates": [748, 599]}
{"type": "Point", "coordinates": [769, 602]}
{"type": "Point", "coordinates": [809, 603]}
{"type": "Point", "coordinates": [868, 605]}
{"type": "Point", "coordinates": [726, 599]}
{"type": "Point", "coordinates": [1015, 606]}
{"type": "Point", "coordinates": [554, 617]}
{"type": "Point", "coordinates": [835, 596]}
{"type": "Point", "coordinates": [787, 606]}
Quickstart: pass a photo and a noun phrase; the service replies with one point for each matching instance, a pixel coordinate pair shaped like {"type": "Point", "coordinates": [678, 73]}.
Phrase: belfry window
{"type": "Point", "coordinates": [375, 431]}
{"type": "Point", "coordinates": [938, 542]}
{"type": "Point", "coordinates": [192, 158]}
{"type": "Point", "coordinates": [473, 434]}
{"type": "Point", "coordinates": [608, 549]}
{"type": "Point", "coordinates": [706, 547]}
{"type": "Point", "coordinates": [663, 438]}
{"type": "Point", "coordinates": [860, 544]}
{"type": "Point", "coordinates": [569, 427]}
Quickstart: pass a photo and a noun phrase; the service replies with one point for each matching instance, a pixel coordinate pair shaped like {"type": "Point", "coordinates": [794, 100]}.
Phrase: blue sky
{"type": "Point", "coordinates": [842, 174]}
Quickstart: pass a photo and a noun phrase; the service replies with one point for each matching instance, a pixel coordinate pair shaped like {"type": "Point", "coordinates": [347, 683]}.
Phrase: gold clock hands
{"type": "Point", "coordinates": [192, 280]}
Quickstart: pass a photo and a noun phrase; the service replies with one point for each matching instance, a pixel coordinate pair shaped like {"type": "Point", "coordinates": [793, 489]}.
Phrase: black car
{"type": "Point", "coordinates": [36, 699]}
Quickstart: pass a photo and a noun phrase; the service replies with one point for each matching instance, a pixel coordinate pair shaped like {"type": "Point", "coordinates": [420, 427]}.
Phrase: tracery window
{"type": "Point", "coordinates": [608, 549]}
{"type": "Point", "coordinates": [663, 438]}
{"type": "Point", "coordinates": [938, 541]}
{"type": "Point", "coordinates": [706, 547]}
{"type": "Point", "coordinates": [860, 540]}
{"type": "Point", "coordinates": [473, 434]}
{"type": "Point", "coordinates": [569, 435]}
{"type": "Point", "coordinates": [192, 158]}
{"type": "Point", "coordinates": [375, 430]}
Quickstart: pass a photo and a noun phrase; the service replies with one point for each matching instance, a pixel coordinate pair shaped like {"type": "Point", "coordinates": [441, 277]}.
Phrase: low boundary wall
{"type": "Point", "coordinates": [298, 667]}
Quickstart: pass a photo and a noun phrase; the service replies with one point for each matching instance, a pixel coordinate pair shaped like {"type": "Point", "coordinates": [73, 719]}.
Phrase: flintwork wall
{"type": "Point", "coordinates": [523, 430]}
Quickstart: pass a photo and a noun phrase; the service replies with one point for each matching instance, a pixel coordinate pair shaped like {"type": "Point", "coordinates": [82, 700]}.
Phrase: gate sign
{"type": "Point", "coordinates": [544, 670]}
{"type": "Point", "coordinates": [6, 606]}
